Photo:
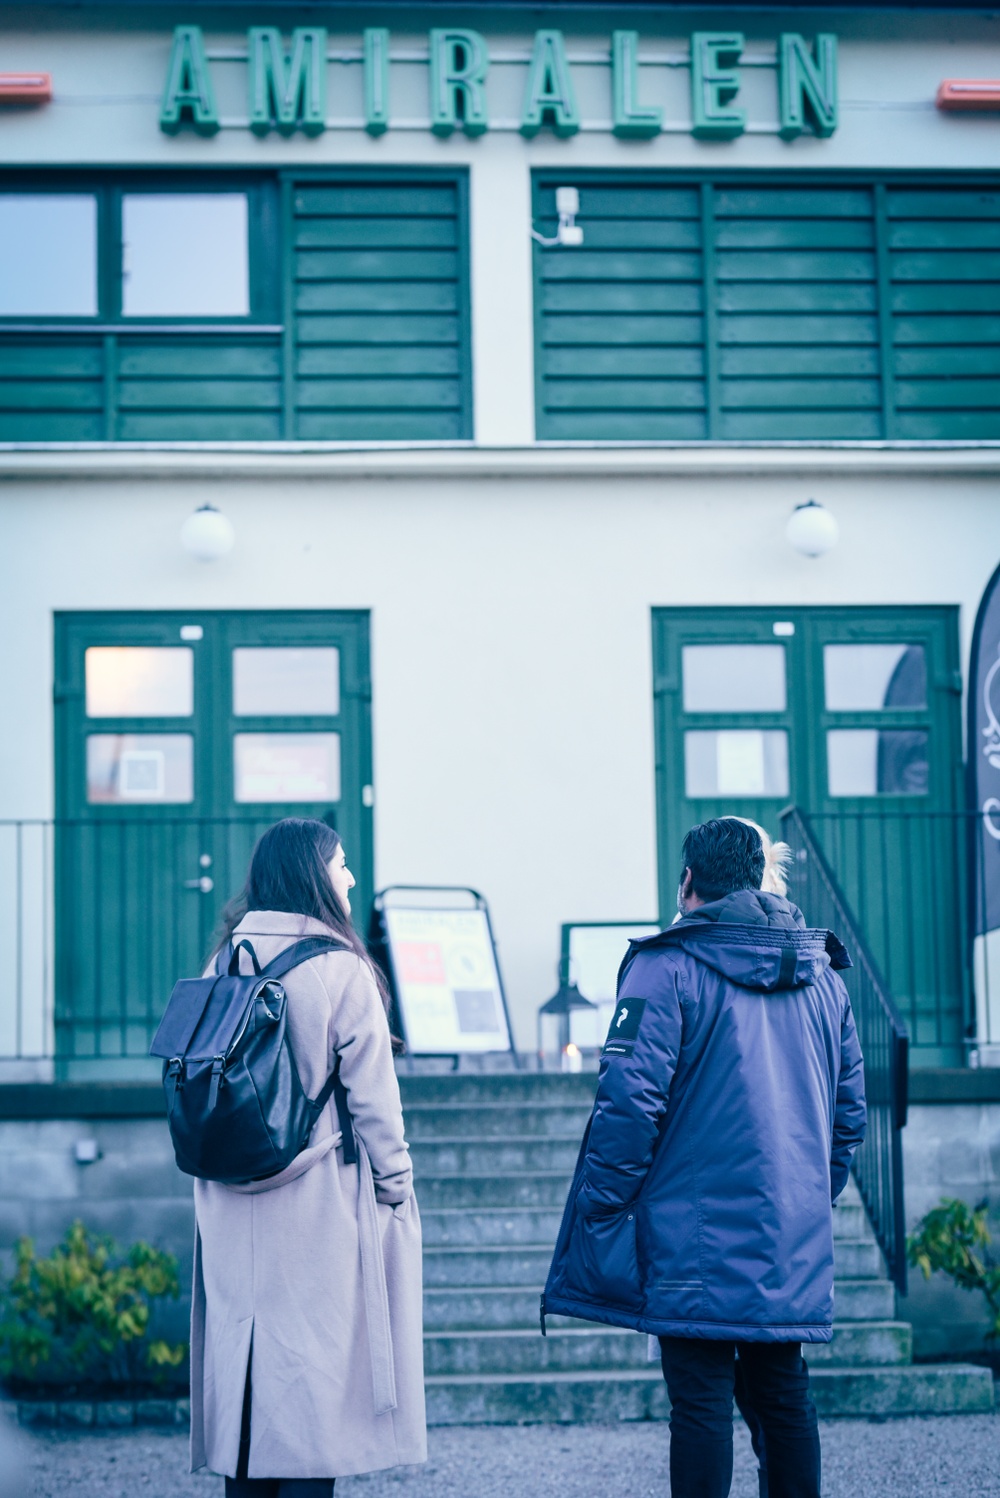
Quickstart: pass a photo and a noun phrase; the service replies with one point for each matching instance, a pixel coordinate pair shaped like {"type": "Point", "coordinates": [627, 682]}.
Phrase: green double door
{"type": "Point", "coordinates": [179, 738]}
{"type": "Point", "coordinates": [854, 716]}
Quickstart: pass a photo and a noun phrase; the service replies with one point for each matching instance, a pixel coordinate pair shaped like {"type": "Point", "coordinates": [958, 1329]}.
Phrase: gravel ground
{"type": "Point", "coordinates": [924, 1458]}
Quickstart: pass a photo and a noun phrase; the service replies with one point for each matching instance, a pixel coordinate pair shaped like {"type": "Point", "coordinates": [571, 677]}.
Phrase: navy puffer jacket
{"type": "Point", "coordinates": [730, 1102]}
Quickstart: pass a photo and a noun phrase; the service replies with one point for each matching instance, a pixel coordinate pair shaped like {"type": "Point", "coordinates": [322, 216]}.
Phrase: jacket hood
{"type": "Point", "coordinates": [754, 939]}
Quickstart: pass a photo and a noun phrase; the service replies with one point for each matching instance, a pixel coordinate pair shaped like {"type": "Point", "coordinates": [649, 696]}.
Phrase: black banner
{"type": "Point", "coordinates": [984, 757]}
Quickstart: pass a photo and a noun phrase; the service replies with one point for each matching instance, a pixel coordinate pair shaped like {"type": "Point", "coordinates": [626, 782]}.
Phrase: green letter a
{"type": "Point", "coordinates": [188, 91]}
{"type": "Point", "coordinates": [549, 99]}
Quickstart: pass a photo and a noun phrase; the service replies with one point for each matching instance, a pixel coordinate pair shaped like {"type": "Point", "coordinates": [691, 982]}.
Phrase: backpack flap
{"type": "Point", "coordinates": [184, 1011]}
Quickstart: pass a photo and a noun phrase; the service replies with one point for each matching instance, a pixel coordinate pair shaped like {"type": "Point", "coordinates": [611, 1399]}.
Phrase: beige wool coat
{"type": "Point", "coordinates": [313, 1275]}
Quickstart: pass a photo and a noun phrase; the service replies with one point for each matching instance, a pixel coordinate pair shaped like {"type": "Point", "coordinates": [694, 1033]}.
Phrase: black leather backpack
{"type": "Point", "coordinates": [235, 1105]}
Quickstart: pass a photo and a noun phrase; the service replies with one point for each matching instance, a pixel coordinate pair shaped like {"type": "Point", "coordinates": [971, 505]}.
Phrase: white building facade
{"type": "Point", "coordinates": [517, 508]}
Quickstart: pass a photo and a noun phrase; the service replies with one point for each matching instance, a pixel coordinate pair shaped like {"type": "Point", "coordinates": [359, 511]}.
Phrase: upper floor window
{"type": "Point", "coordinates": [48, 255]}
{"type": "Point", "coordinates": [185, 255]}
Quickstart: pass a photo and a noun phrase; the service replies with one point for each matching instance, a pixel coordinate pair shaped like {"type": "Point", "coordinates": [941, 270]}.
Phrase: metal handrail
{"type": "Point", "coordinates": [878, 1163]}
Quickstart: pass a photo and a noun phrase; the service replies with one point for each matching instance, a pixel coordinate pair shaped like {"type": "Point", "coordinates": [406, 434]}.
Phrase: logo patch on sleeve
{"type": "Point", "coordinates": [624, 1027]}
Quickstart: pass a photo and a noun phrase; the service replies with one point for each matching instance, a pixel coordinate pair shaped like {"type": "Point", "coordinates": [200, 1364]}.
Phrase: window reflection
{"type": "Point", "coordinates": [878, 762]}
{"type": "Point", "coordinates": [286, 766]}
{"type": "Point", "coordinates": [185, 255]}
{"type": "Point", "coordinates": [132, 768]}
{"type": "Point", "coordinates": [734, 678]}
{"type": "Point", "coordinates": [48, 255]}
{"type": "Point", "coordinates": [867, 678]}
{"type": "Point", "coordinates": [270, 682]}
{"type": "Point", "coordinates": [736, 762]}
{"type": "Point", "coordinates": [139, 681]}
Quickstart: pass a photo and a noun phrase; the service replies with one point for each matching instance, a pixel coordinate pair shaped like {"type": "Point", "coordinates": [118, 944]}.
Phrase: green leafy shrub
{"type": "Point", "coordinates": [81, 1317]}
{"type": "Point", "coordinates": [954, 1239]}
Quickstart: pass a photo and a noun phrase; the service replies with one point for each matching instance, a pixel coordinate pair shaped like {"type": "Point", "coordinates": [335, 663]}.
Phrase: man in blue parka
{"type": "Point", "coordinates": [729, 1105]}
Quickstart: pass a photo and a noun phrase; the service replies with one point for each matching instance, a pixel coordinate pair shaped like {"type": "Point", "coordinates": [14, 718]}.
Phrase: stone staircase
{"type": "Point", "coordinates": [493, 1155]}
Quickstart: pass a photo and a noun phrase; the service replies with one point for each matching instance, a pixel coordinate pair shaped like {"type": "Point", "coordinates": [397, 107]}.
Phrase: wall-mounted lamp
{"type": "Point", "coordinates": [207, 534]}
{"type": "Point", "coordinates": [811, 529]}
{"type": "Point", "coordinates": [569, 234]}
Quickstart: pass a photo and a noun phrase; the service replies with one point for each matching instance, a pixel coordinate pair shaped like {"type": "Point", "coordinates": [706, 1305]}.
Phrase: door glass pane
{"type": "Point", "coordinates": [878, 762]}
{"type": "Point", "coordinates": [734, 678]}
{"type": "Point", "coordinates": [185, 255]}
{"type": "Point", "coordinates": [133, 768]}
{"type": "Point", "coordinates": [736, 762]}
{"type": "Point", "coordinates": [139, 681]}
{"type": "Point", "coordinates": [286, 766]}
{"type": "Point", "coordinates": [290, 683]}
{"type": "Point", "coordinates": [48, 255]}
{"type": "Point", "coordinates": [865, 678]}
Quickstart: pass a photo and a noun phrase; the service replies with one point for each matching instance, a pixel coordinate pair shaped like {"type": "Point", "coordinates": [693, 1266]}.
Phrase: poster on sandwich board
{"type": "Point", "coordinates": [446, 979]}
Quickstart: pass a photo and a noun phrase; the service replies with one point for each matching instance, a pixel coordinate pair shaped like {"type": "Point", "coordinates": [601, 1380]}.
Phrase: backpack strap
{"type": "Point", "coordinates": [299, 952]}
{"type": "Point", "coordinates": [232, 955]}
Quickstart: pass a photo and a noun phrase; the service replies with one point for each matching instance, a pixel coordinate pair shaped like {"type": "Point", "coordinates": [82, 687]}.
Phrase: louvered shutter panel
{"type": "Point", "coordinates": [944, 265]}
{"type": "Point", "coordinates": [380, 307]}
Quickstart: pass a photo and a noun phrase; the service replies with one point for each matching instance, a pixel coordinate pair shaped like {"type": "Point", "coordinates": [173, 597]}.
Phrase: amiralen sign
{"type": "Point", "coordinates": [287, 83]}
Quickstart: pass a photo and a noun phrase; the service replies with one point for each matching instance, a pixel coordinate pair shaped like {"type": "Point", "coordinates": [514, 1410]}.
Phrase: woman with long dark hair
{"type": "Point", "coordinates": [306, 1338]}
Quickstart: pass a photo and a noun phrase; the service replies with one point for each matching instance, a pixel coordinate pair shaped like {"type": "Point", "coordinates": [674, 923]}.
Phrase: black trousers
{"type": "Point", "coordinates": [242, 1486]}
{"type": "Point", "coordinates": [773, 1394]}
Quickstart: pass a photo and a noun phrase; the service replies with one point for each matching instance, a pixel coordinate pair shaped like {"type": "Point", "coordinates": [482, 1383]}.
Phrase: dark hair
{"type": "Point", "coordinates": [723, 855]}
{"type": "Point", "coordinates": [288, 871]}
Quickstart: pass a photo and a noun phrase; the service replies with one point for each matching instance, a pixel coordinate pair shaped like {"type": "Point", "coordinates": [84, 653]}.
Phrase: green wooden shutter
{"type": "Point", "coordinates": [769, 310]}
{"type": "Point", "coordinates": [51, 390]}
{"type": "Point", "coordinates": [380, 298]}
{"type": "Point", "coordinates": [198, 390]}
{"type": "Point", "coordinates": [795, 292]}
{"type": "Point", "coordinates": [619, 327]}
{"type": "Point", "coordinates": [944, 265]}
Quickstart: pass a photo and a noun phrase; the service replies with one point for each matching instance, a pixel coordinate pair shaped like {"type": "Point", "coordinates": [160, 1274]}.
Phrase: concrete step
{"type": "Point", "coordinates": [475, 1226]}
{"type": "Point", "coordinates": [864, 1300]}
{"type": "Point", "coordinates": [863, 1344]}
{"type": "Point", "coordinates": [921, 1389]}
{"type": "Point", "coordinates": [633, 1394]}
{"type": "Point", "coordinates": [534, 1188]}
{"type": "Point", "coordinates": [509, 1306]}
{"type": "Point", "coordinates": [573, 1346]}
{"type": "Point", "coordinates": [510, 1260]}
{"type": "Point", "coordinates": [514, 1087]}
{"type": "Point", "coordinates": [495, 1120]}
{"type": "Point", "coordinates": [501, 1156]}
{"type": "Point", "coordinates": [527, 1351]}
{"type": "Point", "coordinates": [559, 1398]}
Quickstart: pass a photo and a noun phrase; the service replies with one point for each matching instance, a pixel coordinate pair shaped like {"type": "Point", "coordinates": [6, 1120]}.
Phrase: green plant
{"type": "Point", "coordinates": [81, 1316]}
{"type": "Point", "coordinates": [954, 1238]}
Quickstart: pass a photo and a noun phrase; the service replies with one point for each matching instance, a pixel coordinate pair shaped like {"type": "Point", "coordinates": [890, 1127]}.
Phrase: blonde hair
{"type": "Point", "coordinates": [777, 857]}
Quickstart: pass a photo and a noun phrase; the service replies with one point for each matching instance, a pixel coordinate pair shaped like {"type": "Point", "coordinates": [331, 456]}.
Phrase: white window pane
{"type": "Point", "coordinates": [48, 255]}
{"type": "Point", "coordinates": [734, 678]}
{"type": "Point", "coordinates": [736, 762]}
{"type": "Point", "coordinates": [286, 766]}
{"type": "Point", "coordinates": [139, 681]}
{"type": "Point", "coordinates": [279, 681]}
{"type": "Point", "coordinates": [132, 768]}
{"type": "Point", "coordinates": [877, 762]}
{"type": "Point", "coordinates": [865, 678]}
{"type": "Point", "coordinates": [185, 255]}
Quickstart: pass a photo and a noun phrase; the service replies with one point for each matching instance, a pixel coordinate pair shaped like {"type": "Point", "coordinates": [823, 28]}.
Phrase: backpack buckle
{"type": "Point", "coordinates": [218, 1077]}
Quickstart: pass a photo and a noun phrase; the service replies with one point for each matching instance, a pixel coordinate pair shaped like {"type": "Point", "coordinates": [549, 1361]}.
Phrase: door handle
{"type": "Point", "coordinates": [204, 885]}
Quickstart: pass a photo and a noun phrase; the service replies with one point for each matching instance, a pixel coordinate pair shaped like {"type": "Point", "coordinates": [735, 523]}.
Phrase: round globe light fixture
{"type": "Point", "coordinates": [207, 534]}
{"type": "Point", "coordinates": [811, 529]}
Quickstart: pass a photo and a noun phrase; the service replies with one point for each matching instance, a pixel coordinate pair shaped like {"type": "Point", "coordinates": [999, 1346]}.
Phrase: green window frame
{"type": "Point", "coordinates": [769, 307]}
{"type": "Point", "coordinates": [359, 325]}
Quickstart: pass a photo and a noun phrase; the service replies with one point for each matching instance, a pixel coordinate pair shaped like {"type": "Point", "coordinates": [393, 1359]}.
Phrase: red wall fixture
{"type": "Point", "coordinates": [969, 93]}
{"type": "Point", "coordinates": [25, 88]}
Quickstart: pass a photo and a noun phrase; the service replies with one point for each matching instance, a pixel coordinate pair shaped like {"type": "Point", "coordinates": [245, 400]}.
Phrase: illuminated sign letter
{"type": "Point", "coordinates": [549, 98]}
{"type": "Point", "coordinates": [292, 93]}
{"type": "Point", "coordinates": [807, 84]}
{"type": "Point", "coordinates": [459, 61]}
{"type": "Point", "coordinates": [715, 83]}
{"type": "Point", "coordinates": [188, 95]}
{"type": "Point", "coordinates": [376, 56]}
{"type": "Point", "coordinates": [631, 119]}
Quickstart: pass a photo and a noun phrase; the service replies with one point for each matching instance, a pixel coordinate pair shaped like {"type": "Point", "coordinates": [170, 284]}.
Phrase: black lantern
{"type": "Point", "coordinates": [556, 1050]}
